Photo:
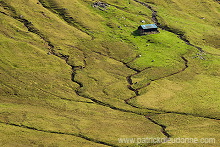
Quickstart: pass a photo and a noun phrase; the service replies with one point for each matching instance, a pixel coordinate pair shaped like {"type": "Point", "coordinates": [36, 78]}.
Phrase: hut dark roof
{"type": "Point", "coordinates": [149, 26]}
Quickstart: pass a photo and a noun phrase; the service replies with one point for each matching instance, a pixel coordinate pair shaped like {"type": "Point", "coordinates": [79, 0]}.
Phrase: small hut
{"type": "Point", "coordinates": [148, 29]}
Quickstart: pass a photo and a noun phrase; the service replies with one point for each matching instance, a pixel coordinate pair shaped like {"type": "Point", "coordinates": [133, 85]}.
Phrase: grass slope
{"type": "Point", "coordinates": [65, 69]}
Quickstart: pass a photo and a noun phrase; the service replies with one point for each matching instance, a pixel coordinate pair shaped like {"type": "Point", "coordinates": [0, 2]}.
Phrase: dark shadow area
{"type": "Point", "coordinates": [136, 33]}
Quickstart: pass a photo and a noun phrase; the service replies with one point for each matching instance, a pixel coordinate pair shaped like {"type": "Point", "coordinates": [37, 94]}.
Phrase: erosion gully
{"type": "Point", "coordinates": [181, 36]}
{"type": "Point", "coordinates": [136, 91]}
{"type": "Point", "coordinates": [51, 47]}
{"type": "Point", "coordinates": [32, 29]}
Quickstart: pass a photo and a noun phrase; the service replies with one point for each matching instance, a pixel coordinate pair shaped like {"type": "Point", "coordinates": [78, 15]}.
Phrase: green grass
{"type": "Point", "coordinates": [38, 90]}
{"type": "Point", "coordinates": [190, 91]}
{"type": "Point", "coordinates": [29, 138]}
{"type": "Point", "coordinates": [198, 19]}
{"type": "Point", "coordinates": [190, 127]}
{"type": "Point", "coordinates": [160, 50]}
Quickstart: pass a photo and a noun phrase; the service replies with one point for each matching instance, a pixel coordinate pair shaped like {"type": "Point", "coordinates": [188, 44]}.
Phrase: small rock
{"type": "Point", "coordinates": [100, 4]}
{"type": "Point", "coordinates": [202, 58]}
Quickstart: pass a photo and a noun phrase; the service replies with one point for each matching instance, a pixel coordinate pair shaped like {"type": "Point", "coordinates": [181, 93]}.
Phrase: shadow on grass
{"type": "Point", "coordinates": [136, 33]}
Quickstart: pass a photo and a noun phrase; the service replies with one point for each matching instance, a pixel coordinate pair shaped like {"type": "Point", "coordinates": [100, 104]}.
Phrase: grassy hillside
{"type": "Point", "coordinates": [77, 73]}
